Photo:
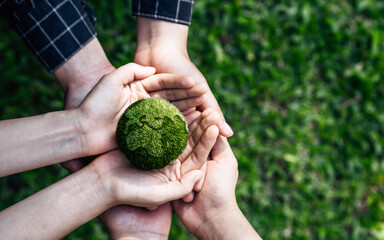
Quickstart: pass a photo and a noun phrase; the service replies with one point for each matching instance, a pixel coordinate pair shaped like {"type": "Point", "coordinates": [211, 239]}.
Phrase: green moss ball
{"type": "Point", "coordinates": [152, 133]}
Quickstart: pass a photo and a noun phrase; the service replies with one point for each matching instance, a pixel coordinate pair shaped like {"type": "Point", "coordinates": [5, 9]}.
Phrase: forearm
{"type": "Point", "coordinates": [152, 33]}
{"type": "Point", "coordinates": [82, 72]}
{"type": "Point", "coordinates": [227, 224]}
{"type": "Point", "coordinates": [33, 142]}
{"type": "Point", "coordinates": [57, 210]}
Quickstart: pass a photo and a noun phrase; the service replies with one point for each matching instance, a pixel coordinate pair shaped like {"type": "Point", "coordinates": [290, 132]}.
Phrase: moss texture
{"type": "Point", "coordinates": [152, 133]}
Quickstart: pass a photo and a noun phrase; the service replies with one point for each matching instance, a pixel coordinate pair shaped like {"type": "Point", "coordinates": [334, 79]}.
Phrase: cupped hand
{"type": "Point", "coordinates": [102, 108]}
{"type": "Point", "coordinates": [218, 192]}
{"type": "Point", "coordinates": [124, 220]}
{"type": "Point", "coordinates": [168, 59]}
{"type": "Point", "coordinates": [129, 185]}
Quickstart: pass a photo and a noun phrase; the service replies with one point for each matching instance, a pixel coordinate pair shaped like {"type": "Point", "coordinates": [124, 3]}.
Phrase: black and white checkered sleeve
{"type": "Point", "coordinates": [177, 11]}
{"type": "Point", "coordinates": [53, 29]}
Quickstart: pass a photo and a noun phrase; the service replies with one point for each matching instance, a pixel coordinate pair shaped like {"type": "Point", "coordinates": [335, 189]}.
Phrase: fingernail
{"type": "Point", "coordinates": [198, 177]}
{"type": "Point", "coordinates": [224, 127]}
{"type": "Point", "coordinates": [152, 68]}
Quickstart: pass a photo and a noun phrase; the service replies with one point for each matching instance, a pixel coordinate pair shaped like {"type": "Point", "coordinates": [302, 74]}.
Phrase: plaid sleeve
{"type": "Point", "coordinates": [54, 30]}
{"type": "Point", "coordinates": [177, 11]}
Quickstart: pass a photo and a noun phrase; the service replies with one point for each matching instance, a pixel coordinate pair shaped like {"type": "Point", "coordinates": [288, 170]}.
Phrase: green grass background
{"type": "Point", "coordinates": [301, 83]}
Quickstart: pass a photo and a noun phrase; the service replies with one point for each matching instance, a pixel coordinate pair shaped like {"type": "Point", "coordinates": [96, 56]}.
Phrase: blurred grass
{"type": "Point", "coordinates": [301, 82]}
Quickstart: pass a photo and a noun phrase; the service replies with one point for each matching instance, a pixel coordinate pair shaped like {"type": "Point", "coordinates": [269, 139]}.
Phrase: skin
{"type": "Point", "coordinates": [163, 45]}
{"type": "Point", "coordinates": [127, 222]}
{"type": "Point", "coordinates": [159, 40]}
{"type": "Point", "coordinates": [89, 129]}
{"type": "Point", "coordinates": [153, 46]}
{"type": "Point", "coordinates": [108, 181]}
{"type": "Point", "coordinates": [214, 213]}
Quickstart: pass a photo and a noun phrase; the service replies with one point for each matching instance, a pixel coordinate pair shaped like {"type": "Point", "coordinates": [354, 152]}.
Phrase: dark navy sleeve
{"type": "Point", "coordinates": [54, 30]}
{"type": "Point", "coordinates": [177, 11]}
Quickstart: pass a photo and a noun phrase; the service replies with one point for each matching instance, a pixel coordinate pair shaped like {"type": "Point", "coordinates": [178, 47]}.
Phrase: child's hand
{"type": "Point", "coordinates": [101, 110]}
{"type": "Point", "coordinates": [127, 185]}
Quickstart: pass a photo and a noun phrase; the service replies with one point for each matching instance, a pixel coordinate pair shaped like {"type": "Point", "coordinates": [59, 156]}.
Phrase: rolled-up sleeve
{"type": "Point", "coordinates": [54, 30]}
{"type": "Point", "coordinates": [177, 11]}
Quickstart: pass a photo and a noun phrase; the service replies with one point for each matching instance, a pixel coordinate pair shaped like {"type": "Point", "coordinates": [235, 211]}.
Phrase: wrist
{"type": "Point", "coordinates": [82, 72]}
{"type": "Point", "coordinates": [76, 120]}
{"type": "Point", "coordinates": [157, 34]}
{"type": "Point", "coordinates": [218, 222]}
{"type": "Point", "coordinates": [99, 185]}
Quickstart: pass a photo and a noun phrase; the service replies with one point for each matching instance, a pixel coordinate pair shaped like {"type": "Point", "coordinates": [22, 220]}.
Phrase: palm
{"type": "Point", "coordinates": [118, 218]}
{"type": "Point", "coordinates": [177, 63]}
{"type": "Point", "coordinates": [106, 108]}
{"type": "Point", "coordinates": [116, 91]}
{"type": "Point", "coordinates": [220, 182]}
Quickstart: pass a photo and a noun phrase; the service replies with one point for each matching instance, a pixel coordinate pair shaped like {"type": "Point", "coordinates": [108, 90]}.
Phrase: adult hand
{"type": "Point", "coordinates": [77, 77]}
{"type": "Point", "coordinates": [103, 107]}
{"type": "Point", "coordinates": [82, 72]}
{"type": "Point", "coordinates": [214, 213]}
{"type": "Point", "coordinates": [163, 45]}
{"type": "Point", "coordinates": [123, 220]}
{"type": "Point", "coordinates": [126, 184]}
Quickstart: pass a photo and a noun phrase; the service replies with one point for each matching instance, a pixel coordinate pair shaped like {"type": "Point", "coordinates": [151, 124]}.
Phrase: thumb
{"type": "Point", "coordinates": [132, 71]}
{"type": "Point", "coordinates": [180, 189]}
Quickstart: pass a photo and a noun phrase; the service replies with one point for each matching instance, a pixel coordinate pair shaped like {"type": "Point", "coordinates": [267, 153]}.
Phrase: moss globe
{"type": "Point", "coordinates": [152, 133]}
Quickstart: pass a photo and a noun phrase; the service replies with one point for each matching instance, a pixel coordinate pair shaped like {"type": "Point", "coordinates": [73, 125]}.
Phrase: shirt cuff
{"type": "Point", "coordinates": [176, 11]}
{"type": "Point", "coordinates": [54, 30]}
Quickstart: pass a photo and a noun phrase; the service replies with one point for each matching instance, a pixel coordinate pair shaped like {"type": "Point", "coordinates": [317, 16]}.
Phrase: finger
{"type": "Point", "coordinates": [221, 146]}
{"type": "Point", "coordinates": [179, 189]}
{"type": "Point", "coordinates": [225, 129]}
{"type": "Point", "coordinates": [187, 103]}
{"type": "Point", "coordinates": [209, 116]}
{"type": "Point", "coordinates": [131, 71]}
{"type": "Point", "coordinates": [167, 80]}
{"type": "Point", "coordinates": [188, 111]}
{"type": "Point", "coordinates": [189, 197]}
{"type": "Point", "coordinates": [199, 185]}
{"type": "Point", "coordinates": [191, 116]}
{"type": "Point", "coordinates": [201, 152]}
{"type": "Point", "coordinates": [152, 208]}
{"type": "Point", "coordinates": [196, 130]}
{"type": "Point", "coordinates": [181, 93]}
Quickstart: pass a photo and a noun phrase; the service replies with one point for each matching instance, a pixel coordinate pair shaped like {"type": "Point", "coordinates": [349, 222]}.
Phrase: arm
{"type": "Point", "coordinates": [91, 128]}
{"type": "Point", "coordinates": [38, 141]}
{"type": "Point", "coordinates": [108, 181]}
{"type": "Point", "coordinates": [158, 40]}
{"type": "Point", "coordinates": [229, 223]}
{"type": "Point", "coordinates": [214, 213]}
{"type": "Point", "coordinates": [125, 221]}
{"type": "Point", "coordinates": [55, 211]}
{"type": "Point", "coordinates": [82, 72]}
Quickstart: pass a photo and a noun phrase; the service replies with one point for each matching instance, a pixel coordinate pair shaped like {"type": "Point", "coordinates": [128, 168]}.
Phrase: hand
{"type": "Point", "coordinates": [218, 192]}
{"type": "Point", "coordinates": [126, 184]}
{"type": "Point", "coordinates": [82, 72]}
{"type": "Point", "coordinates": [124, 220]}
{"type": "Point", "coordinates": [163, 45]}
{"type": "Point", "coordinates": [101, 110]}
{"type": "Point", "coordinates": [214, 213]}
